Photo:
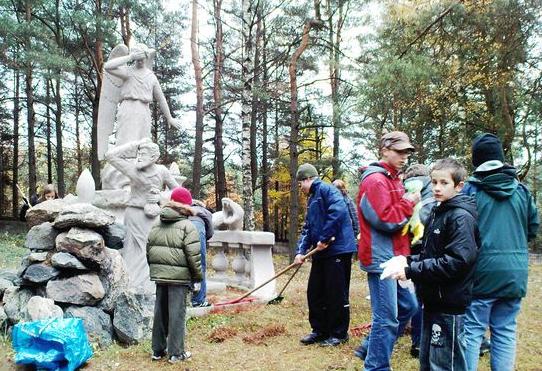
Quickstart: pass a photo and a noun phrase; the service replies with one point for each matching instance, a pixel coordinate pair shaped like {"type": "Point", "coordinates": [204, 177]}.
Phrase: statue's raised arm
{"type": "Point", "coordinates": [127, 92]}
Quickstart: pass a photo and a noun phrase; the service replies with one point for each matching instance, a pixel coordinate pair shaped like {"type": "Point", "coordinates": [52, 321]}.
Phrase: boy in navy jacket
{"type": "Point", "coordinates": [443, 271]}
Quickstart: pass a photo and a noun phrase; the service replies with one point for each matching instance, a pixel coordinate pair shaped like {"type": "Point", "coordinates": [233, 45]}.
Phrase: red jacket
{"type": "Point", "coordinates": [382, 212]}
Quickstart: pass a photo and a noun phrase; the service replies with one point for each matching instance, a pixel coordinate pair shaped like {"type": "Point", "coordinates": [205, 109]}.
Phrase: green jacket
{"type": "Point", "coordinates": [507, 219]}
{"type": "Point", "coordinates": [173, 247]}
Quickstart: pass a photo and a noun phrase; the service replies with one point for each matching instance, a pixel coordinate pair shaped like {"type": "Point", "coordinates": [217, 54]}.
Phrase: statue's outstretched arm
{"type": "Point", "coordinates": [162, 103]}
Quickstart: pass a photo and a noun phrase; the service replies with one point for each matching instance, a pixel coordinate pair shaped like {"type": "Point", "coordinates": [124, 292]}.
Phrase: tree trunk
{"type": "Point", "coordinates": [246, 105]}
{"type": "Point", "coordinates": [255, 101]}
{"type": "Point", "coordinates": [99, 61]}
{"type": "Point", "coordinates": [30, 114]}
{"type": "Point", "coordinates": [265, 106]}
{"type": "Point", "coordinates": [60, 183]}
{"type": "Point", "coordinates": [48, 130]}
{"type": "Point", "coordinates": [125, 30]}
{"type": "Point", "coordinates": [198, 149]}
{"type": "Point", "coordinates": [334, 79]}
{"type": "Point", "coordinates": [220, 171]}
{"type": "Point", "coordinates": [15, 164]}
{"type": "Point", "coordinates": [294, 134]}
{"type": "Point", "coordinates": [78, 129]}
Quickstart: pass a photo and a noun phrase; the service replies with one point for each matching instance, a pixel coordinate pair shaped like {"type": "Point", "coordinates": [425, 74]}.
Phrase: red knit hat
{"type": "Point", "coordinates": [181, 195]}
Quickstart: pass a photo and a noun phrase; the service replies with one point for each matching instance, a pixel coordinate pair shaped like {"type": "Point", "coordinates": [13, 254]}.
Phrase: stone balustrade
{"type": "Point", "coordinates": [251, 261]}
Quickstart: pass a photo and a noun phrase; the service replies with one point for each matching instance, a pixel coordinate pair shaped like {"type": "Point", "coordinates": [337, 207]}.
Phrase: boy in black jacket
{"type": "Point", "coordinates": [443, 271]}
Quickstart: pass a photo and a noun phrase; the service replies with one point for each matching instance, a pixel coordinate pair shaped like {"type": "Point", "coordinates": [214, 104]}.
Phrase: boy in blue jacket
{"type": "Point", "coordinates": [444, 269]}
{"type": "Point", "coordinates": [327, 228]}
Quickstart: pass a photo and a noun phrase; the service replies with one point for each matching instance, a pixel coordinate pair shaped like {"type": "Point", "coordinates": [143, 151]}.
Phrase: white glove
{"type": "Point", "coordinates": [393, 266]}
{"type": "Point", "coordinates": [197, 286]}
{"type": "Point", "coordinates": [408, 284]}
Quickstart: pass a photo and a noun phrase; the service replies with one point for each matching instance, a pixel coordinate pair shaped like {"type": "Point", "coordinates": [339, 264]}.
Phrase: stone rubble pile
{"type": "Point", "coordinates": [72, 271]}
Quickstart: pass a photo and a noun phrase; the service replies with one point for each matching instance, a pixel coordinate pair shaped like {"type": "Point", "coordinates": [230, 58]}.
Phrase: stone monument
{"type": "Point", "coordinates": [147, 180]}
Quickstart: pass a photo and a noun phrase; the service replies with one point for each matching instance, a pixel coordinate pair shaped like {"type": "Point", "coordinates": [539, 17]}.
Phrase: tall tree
{"type": "Point", "coordinates": [294, 130]}
{"type": "Point", "coordinates": [246, 106]}
{"type": "Point", "coordinates": [198, 149]}
{"type": "Point", "coordinates": [218, 70]}
{"type": "Point", "coordinates": [30, 113]}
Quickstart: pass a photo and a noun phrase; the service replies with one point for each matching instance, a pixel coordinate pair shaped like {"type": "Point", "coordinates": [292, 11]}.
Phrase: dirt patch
{"type": "Point", "coordinates": [221, 334]}
{"type": "Point", "coordinates": [259, 337]}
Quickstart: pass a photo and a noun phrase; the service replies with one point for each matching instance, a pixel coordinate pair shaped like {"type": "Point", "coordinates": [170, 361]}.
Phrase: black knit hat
{"type": "Point", "coordinates": [486, 147]}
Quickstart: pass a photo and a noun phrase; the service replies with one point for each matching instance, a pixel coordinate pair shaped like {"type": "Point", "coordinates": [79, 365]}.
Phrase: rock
{"type": "Point", "coordinates": [41, 237]}
{"type": "Point", "coordinates": [45, 211]}
{"type": "Point", "coordinates": [9, 274]}
{"type": "Point", "coordinates": [64, 260]}
{"type": "Point", "coordinates": [15, 301]}
{"type": "Point", "coordinates": [85, 245]}
{"type": "Point", "coordinates": [40, 273]}
{"type": "Point", "coordinates": [39, 308]}
{"type": "Point", "coordinates": [25, 263]}
{"type": "Point", "coordinates": [84, 289]}
{"type": "Point", "coordinates": [83, 215]}
{"type": "Point", "coordinates": [107, 198]}
{"type": "Point", "coordinates": [97, 323]}
{"type": "Point", "coordinates": [4, 285]}
{"type": "Point", "coordinates": [4, 323]}
{"type": "Point", "coordinates": [115, 280]}
{"type": "Point", "coordinates": [37, 257]}
{"type": "Point", "coordinates": [113, 235]}
{"type": "Point", "coordinates": [132, 320]}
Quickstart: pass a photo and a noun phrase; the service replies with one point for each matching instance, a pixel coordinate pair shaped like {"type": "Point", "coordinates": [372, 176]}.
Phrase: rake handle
{"type": "Point", "coordinates": [307, 255]}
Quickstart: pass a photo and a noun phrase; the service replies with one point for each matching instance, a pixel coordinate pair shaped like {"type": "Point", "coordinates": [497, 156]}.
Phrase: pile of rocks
{"type": "Point", "coordinates": [73, 269]}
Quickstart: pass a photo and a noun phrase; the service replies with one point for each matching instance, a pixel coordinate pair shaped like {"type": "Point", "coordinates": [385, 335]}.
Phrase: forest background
{"type": "Point", "coordinates": [264, 85]}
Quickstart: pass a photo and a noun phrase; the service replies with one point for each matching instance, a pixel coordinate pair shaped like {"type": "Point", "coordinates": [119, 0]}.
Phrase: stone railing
{"type": "Point", "coordinates": [251, 265]}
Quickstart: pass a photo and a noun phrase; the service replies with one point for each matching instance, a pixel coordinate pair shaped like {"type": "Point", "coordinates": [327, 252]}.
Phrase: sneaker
{"type": "Point", "coordinates": [156, 356]}
{"type": "Point", "coordinates": [183, 357]}
{"type": "Point", "coordinates": [333, 342]}
{"type": "Point", "coordinates": [485, 347]}
{"type": "Point", "coordinates": [201, 305]}
{"type": "Point", "coordinates": [415, 351]}
{"type": "Point", "coordinates": [312, 338]}
{"type": "Point", "coordinates": [360, 352]}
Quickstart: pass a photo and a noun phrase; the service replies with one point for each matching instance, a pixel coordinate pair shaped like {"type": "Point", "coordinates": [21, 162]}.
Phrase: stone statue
{"type": "Point", "coordinates": [231, 216]}
{"type": "Point", "coordinates": [128, 91]}
{"type": "Point", "coordinates": [147, 180]}
{"type": "Point", "coordinates": [126, 94]}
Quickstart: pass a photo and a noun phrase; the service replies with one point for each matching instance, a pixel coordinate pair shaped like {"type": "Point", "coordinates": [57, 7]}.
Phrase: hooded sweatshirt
{"type": "Point", "coordinates": [444, 270]}
{"type": "Point", "coordinates": [508, 219]}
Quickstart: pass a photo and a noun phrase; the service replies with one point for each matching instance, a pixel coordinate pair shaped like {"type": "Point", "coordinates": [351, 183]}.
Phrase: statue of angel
{"type": "Point", "coordinates": [128, 91]}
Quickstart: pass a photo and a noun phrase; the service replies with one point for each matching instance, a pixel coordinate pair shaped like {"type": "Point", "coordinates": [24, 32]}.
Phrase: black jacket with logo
{"type": "Point", "coordinates": [443, 271]}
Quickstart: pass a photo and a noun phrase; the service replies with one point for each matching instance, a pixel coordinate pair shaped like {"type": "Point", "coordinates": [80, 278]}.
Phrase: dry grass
{"type": "Point", "coordinates": [217, 341]}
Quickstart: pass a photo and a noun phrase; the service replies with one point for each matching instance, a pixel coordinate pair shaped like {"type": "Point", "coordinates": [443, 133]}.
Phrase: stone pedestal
{"type": "Point", "coordinates": [260, 263]}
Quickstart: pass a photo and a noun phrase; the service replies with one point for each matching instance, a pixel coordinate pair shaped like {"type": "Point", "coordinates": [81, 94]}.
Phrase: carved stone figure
{"type": "Point", "coordinates": [147, 180]}
{"type": "Point", "coordinates": [127, 92]}
{"type": "Point", "coordinates": [231, 216]}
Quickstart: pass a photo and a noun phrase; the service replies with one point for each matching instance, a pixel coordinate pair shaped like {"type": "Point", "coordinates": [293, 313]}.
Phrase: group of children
{"type": "Point", "coordinates": [470, 267]}
{"type": "Point", "coordinates": [468, 260]}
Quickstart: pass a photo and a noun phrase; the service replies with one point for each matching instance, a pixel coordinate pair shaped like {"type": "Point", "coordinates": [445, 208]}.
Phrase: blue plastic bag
{"type": "Point", "coordinates": [55, 344]}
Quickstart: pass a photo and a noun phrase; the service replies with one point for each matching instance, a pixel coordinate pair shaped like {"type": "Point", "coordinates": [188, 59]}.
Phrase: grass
{"type": "Point", "coordinates": [266, 337]}
{"type": "Point", "coordinates": [11, 250]}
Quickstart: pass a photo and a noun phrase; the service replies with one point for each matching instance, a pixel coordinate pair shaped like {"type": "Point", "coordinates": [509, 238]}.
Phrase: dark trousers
{"type": "Point", "coordinates": [169, 319]}
{"type": "Point", "coordinates": [442, 345]}
{"type": "Point", "coordinates": [328, 295]}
